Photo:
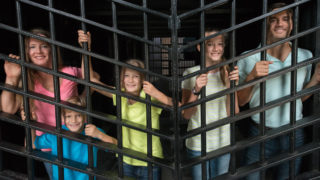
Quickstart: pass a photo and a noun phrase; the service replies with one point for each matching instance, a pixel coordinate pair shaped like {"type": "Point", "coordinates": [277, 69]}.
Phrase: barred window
{"type": "Point", "coordinates": [175, 137]}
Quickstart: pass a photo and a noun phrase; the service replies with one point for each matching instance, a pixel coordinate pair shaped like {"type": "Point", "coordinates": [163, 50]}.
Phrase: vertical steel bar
{"type": "Point", "coordinates": [232, 85]}
{"type": "Point", "coordinates": [203, 94]}
{"type": "Point", "coordinates": [316, 137]}
{"type": "Point", "coordinates": [30, 162]}
{"type": "Point", "coordinates": [262, 129]}
{"type": "Point", "coordinates": [87, 88]}
{"type": "Point", "coordinates": [118, 99]}
{"type": "Point", "coordinates": [293, 89]}
{"type": "Point", "coordinates": [176, 86]}
{"type": "Point", "coordinates": [148, 106]}
{"type": "Point", "coordinates": [1, 153]}
{"type": "Point", "coordinates": [56, 91]}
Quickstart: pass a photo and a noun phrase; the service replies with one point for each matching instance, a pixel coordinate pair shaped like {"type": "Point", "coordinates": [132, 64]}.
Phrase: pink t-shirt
{"type": "Point", "coordinates": [46, 112]}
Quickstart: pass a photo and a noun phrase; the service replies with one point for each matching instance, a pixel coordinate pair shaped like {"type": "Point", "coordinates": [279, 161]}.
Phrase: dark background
{"type": "Point", "coordinates": [130, 21]}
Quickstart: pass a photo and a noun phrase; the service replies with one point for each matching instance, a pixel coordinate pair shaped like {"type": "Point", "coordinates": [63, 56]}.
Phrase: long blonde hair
{"type": "Point", "coordinates": [225, 67]}
{"type": "Point", "coordinates": [134, 62]}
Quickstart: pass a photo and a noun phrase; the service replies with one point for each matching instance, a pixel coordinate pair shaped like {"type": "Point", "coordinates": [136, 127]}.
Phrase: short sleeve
{"type": "Point", "coordinates": [157, 110]}
{"type": "Point", "coordinates": [242, 74]}
{"type": "Point", "coordinates": [114, 99]}
{"type": "Point", "coordinates": [309, 67]}
{"type": "Point", "coordinates": [187, 83]}
{"type": "Point", "coordinates": [44, 141]}
{"type": "Point", "coordinates": [74, 71]}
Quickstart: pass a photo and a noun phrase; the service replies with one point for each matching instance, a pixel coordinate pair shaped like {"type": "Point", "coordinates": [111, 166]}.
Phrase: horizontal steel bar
{"type": "Point", "coordinates": [252, 111]}
{"type": "Point", "coordinates": [203, 8]}
{"type": "Point", "coordinates": [93, 23]}
{"type": "Point", "coordinates": [252, 52]}
{"type": "Point", "coordinates": [235, 27]}
{"type": "Point", "coordinates": [252, 82]}
{"type": "Point", "coordinates": [82, 51]}
{"type": "Point", "coordinates": [141, 8]}
{"type": "Point", "coordinates": [278, 159]}
{"type": "Point", "coordinates": [240, 145]}
{"type": "Point", "coordinates": [102, 116]}
{"type": "Point", "coordinates": [84, 139]}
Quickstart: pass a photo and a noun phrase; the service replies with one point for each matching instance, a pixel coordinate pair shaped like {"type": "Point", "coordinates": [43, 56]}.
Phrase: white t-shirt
{"type": "Point", "coordinates": [215, 110]}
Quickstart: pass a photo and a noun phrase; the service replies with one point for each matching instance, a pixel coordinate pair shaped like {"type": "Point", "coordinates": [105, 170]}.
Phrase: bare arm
{"type": "Point", "coordinates": [260, 69]}
{"type": "Point", "coordinates": [155, 93]}
{"type": "Point", "coordinates": [314, 81]}
{"type": "Point", "coordinates": [33, 138]}
{"type": "Point", "coordinates": [233, 75]}
{"type": "Point", "coordinates": [188, 96]}
{"type": "Point", "coordinates": [92, 131]}
{"type": "Point", "coordinates": [10, 102]}
{"type": "Point", "coordinates": [105, 93]}
{"type": "Point", "coordinates": [86, 38]}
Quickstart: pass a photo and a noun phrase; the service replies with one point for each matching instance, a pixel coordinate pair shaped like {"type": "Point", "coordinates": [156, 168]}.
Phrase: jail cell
{"type": "Point", "coordinates": [169, 37]}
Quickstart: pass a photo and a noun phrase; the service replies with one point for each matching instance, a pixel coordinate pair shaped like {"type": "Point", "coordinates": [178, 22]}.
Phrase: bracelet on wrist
{"type": "Point", "coordinates": [195, 92]}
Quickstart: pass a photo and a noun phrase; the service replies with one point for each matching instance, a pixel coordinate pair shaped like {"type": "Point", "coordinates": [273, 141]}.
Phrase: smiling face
{"type": "Point", "coordinates": [279, 26]}
{"type": "Point", "coordinates": [214, 49]}
{"type": "Point", "coordinates": [39, 52]}
{"type": "Point", "coordinates": [132, 81]}
{"type": "Point", "coordinates": [74, 121]}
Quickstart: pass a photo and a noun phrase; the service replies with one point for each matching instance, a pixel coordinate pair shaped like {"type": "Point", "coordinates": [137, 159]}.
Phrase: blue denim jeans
{"type": "Point", "coordinates": [215, 167]}
{"type": "Point", "coordinates": [273, 147]}
{"type": "Point", "coordinates": [48, 167]}
{"type": "Point", "coordinates": [140, 172]}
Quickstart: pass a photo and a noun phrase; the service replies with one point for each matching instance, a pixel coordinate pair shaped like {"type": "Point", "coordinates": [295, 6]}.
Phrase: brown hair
{"type": "Point", "coordinates": [277, 6]}
{"type": "Point", "coordinates": [134, 62]}
{"type": "Point", "coordinates": [77, 100]}
{"type": "Point", "coordinates": [225, 67]}
{"type": "Point", "coordinates": [31, 73]}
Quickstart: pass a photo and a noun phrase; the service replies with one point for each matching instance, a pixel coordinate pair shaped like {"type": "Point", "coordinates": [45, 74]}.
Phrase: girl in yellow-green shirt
{"type": "Point", "coordinates": [133, 82]}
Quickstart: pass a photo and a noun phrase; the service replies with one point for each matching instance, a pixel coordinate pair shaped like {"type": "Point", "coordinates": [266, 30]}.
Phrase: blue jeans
{"type": "Point", "coordinates": [273, 147]}
{"type": "Point", "coordinates": [140, 172]}
{"type": "Point", "coordinates": [215, 167]}
{"type": "Point", "coordinates": [48, 167]}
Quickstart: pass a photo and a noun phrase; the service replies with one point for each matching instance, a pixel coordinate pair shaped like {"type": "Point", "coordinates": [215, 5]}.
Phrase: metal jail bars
{"type": "Point", "coordinates": [164, 35]}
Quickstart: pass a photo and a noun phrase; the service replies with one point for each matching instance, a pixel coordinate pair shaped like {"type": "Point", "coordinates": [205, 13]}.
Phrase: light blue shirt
{"type": "Point", "coordinates": [72, 150]}
{"type": "Point", "coordinates": [277, 87]}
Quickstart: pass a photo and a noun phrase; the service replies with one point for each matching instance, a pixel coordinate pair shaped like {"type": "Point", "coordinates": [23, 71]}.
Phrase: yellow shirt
{"type": "Point", "coordinates": [134, 139]}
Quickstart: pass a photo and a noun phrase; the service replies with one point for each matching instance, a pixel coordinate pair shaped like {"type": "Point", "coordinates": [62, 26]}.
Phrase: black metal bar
{"type": "Point", "coordinates": [202, 9]}
{"type": "Point", "coordinates": [93, 23]}
{"type": "Point", "coordinates": [284, 130]}
{"type": "Point", "coordinates": [232, 85]}
{"type": "Point", "coordinates": [56, 92]}
{"type": "Point", "coordinates": [118, 87]}
{"type": "Point", "coordinates": [252, 111]}
{"type": "Point", "coordinates": [143, 9]}
{"type": "Point", "coordinates": [87, 88]}
{"type": "Point", "coordinates": [315, 129]}
{"type": "Point", "coordinates": [203, 94]}
{"type": "Point", "coordinates": [148, 106]}
{"type": "Point", "coordinates": [245, 23]}
{"type": "Point", "coordinates": [262, 124]}
{"type": "Point", "coordinates": [257, 50]}
{"type": "Point", "coordinates": [30, 162]}
{"type": "Point", "coordinates": [176, 86]}
{"type": "Point", "coordinates": [294, 55]}
{"type": "Point", "coordinates": [174, 20]}
{"type": "Point", "coordinates": [253, 82]}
